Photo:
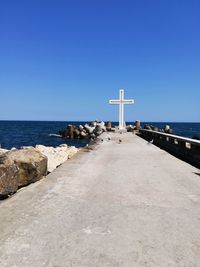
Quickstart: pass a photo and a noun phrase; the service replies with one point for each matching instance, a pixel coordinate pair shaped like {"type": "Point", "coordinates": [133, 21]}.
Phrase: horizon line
{"type": "Point", "coordinates": [142, 121]}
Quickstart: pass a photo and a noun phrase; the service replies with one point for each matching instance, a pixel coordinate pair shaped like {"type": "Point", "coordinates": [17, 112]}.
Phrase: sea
{"type": "Point", "coordinates": [30, 133]}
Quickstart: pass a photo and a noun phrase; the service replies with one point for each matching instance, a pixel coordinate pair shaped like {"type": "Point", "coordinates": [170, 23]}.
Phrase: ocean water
{"type": "Point", "coordinates": [185, 129]}
{"type": "Point", "coordinates": [30, 133]}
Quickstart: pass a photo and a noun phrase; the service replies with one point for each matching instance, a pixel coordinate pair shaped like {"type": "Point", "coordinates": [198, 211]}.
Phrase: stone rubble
{"type": "Point", "coordinates": [87, 131]}
{"type": "Point", "coordinates": [93, 129]}
{"type": "Point", "coordinates": [167, 128]}
{"type": "Point", "coordinates": [21, 167]}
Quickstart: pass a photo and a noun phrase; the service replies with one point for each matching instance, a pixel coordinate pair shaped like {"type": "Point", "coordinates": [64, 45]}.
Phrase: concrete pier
{"type": "Point", "coordinates": [120, 204]}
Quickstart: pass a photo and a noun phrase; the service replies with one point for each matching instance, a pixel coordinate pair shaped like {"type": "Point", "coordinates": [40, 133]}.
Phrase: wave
{"type": "Point", "coordinates": [56, 135]}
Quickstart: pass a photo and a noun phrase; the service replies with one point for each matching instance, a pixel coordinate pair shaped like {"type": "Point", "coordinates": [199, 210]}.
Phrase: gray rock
{"type": "Point", "coordinates": [108, 125]}
{"type": "Point", "coordinates": [137, 124]}
{"type": "Point", "coordinates": [81, 128]}
{"type": "Point", "coordinates": [32, 165]}
{"type": "Point", "coordinates": [102, 126]}
{"type": "Point", "coordinates": [89, 129]}
{"type": "Point", "coordinates": [93, 124]}
{"type": "Point", "coordinates": [131, 128]}
{"type": "Point", "coordinates": [147, 127]}
{"type": "Point", "coordinates": [83, 134]}
{"type": "Point", "coordinates": [77, 133]}
{"type": "Point", "coordinates": [154, 128]}
{"type": "Point", "coordinates": [168, 129]}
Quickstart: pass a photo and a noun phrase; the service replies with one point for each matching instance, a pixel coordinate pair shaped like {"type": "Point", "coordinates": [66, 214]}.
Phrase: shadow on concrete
{"type": "Point", "coordinates": [3, 197]}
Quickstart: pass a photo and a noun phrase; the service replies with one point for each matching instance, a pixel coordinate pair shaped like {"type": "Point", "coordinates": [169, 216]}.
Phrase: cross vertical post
{"type": "Point", "coordinates": [121, 102]}
{"type": "Point", "coordinates": [121, 109]}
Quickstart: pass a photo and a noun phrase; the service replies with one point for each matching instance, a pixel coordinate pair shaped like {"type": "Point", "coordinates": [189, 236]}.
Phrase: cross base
{"type": "Point", "coordinates": [120, 130]}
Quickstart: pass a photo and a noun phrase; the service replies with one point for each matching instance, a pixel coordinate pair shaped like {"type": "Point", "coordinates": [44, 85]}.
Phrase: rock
{"type": "Point", "coordinates": [56, 156]}
{"type": "Point", "coordinates": [89, 129]}
{"type": "Point", "coordinates": [108, 125]}
{"type": "Point", "coordinates": [70, 131]}
{"type": "Point", "coordinates": [147, 127]}
{"type": "Point", "coordinates": [137, 125]}
{"type": "Point", "coordinates": [8, 176]}
{"type": "Point", "coordinates": [63, 145]}
{"type": "Point", "coordinates": [83, 134]}
{"type": "Point", "coordinates": [131, 128]}
{"type": "Point", "coordinates": [93, 124]}
{"type": "Point", "coordinates": [81, 128]}
{"type": "Point", "coordinates": [98, 130]}
{"type": "Point", "coordinates": [154, 128]}
{"type": "Point", "coordinates": [76, 133]}
{"type": "Point", "coordinates": [92, 136]}
{"type": "Point", "coordinates": [102, 126]}
{"type": "Point", "coordinates": [31, 163]}
{"type": "Point", "coordinates": [3, 151]}
{"type": "Point", "coordinates": [26, 147]}
{"type": "Point", "coordinates": [72, 151]}
{"type": "Point", "coordinates": [168, 130]}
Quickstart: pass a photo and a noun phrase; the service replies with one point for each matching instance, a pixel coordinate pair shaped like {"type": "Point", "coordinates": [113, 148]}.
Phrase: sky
{"type": "Point", "coordinates": [63, 60]}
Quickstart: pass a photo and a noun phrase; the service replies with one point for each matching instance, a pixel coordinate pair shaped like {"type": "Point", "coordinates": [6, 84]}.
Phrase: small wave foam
{"type": "Point", "coordinates": [56, 135]}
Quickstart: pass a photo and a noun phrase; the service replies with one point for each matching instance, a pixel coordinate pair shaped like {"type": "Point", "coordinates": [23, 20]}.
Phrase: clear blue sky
{"type": "Point", "coordinates": [63, 60]}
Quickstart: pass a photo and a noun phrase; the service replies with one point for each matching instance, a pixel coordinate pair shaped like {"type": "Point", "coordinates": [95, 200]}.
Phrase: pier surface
{"type": "Point", "coordinates": [128, 204]}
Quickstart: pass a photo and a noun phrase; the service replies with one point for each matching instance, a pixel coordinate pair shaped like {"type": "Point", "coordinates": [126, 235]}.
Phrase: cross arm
{"type": "Point", "coordinates": [114, 102]}
{"type": "Point", "coordinates": [128, 101]}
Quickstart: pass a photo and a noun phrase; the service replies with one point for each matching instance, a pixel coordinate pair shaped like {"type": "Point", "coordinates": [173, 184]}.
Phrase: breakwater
{"type": "Point", "coordinates": [184, 148]}
{"type": "Point", "coordinates": [120, 204]}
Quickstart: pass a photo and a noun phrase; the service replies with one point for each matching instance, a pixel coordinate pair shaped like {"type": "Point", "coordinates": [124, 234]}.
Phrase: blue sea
{"type": "Point", "coordinates": [30, 133]}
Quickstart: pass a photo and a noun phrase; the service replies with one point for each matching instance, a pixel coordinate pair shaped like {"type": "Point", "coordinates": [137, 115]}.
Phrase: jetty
{"type": "Point", "coordinates": [121, 202]}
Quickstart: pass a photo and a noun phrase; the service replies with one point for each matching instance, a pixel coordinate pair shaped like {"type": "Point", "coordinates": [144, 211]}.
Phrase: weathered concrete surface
{"type": "Point", "coordinates": [128, 204]}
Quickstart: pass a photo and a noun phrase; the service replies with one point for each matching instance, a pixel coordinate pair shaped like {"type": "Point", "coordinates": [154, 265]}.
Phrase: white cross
{"type": "Point", "coordinates": [121, 102]}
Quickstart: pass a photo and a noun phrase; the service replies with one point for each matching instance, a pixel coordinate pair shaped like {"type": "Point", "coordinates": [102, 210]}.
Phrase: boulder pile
{"type": "Point", "coordinates": [90, 130]}
{"type": "Point", "coordinates": [167, 128]}
{"type": "Point", "coordinates": [93, 129]}
{"type": "Point", "coordinates": [21, 167]}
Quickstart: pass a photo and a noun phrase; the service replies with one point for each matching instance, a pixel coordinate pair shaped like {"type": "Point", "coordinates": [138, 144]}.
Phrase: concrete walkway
{"type": "Point", "coordinates": [128, 204]}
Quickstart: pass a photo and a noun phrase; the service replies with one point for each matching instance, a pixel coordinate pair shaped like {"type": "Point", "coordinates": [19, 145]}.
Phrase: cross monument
{"type": "Point", "coordinates": [121, 102]}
